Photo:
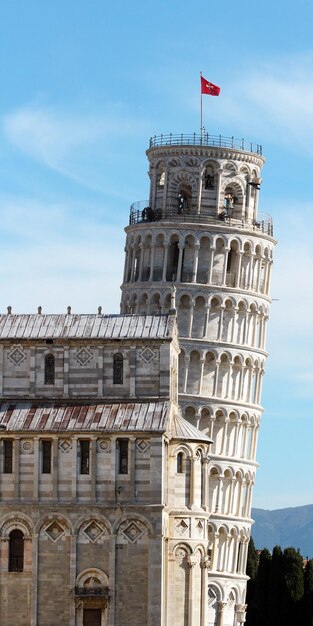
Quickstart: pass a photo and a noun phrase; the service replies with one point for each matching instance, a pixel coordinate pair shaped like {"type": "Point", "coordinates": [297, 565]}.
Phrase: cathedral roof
{"type": "Point", "coordinates": [58, 416]}
{"type": "Point", "coordinates": [181, 429]}
{"type": "Point", "coordinates": [61, 416]}
{"type": "Point", "coordinates": [91, 326]}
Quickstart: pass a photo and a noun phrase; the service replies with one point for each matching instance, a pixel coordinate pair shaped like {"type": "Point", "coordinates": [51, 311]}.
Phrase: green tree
{"type": "Point", "coordinates": [252, 569]}
{"type": "Point", "coordinates": [307, 606]}
{"type": "Point", "coordinates": [275, 588]}
{"type": "Point", "coordinates": [293, 587]}
{"type": "Point", "coordinates": [262, 588]}
{"type": "Point", "coordinates": [252, 560]}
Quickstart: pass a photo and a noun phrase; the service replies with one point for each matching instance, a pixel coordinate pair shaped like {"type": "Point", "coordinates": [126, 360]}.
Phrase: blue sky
{"type": "Point", "coordinates": [83, 87]}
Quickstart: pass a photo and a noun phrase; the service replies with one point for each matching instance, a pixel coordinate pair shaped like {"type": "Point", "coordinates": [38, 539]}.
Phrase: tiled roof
{"type": "Point", "coordinates": [58, 416]}
{"type": "Point", "coordinates": [181, 429]}
{"type": "Point", "coordinates": [100, 326]}
{"type": "Point", "coordinates": [129, 416]}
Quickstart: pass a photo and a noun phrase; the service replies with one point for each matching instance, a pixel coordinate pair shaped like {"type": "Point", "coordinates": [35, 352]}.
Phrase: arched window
{"type": "Point", "coordinates": [180, 463]}
{"type": "Point", "coordinates": [184, 199]}
{"type": "Point", "coordinates": [16, 551]}
{"type": "Point", "coordinates": [118, 369]}
{"type": "Point", "coordinates": [49, 369]}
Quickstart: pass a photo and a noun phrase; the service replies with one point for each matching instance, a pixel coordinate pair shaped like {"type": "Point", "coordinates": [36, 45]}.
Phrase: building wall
{"type": "Point", "coordinates": [85, 369]}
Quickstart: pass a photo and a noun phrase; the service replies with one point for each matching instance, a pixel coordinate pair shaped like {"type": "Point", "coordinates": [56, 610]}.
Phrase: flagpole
{"type": "Point", "coordinates": [200, 107]}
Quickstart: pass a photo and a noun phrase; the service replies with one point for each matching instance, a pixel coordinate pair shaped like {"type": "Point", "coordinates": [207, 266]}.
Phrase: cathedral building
{"type": "Point", "coordinates": [128, 442]}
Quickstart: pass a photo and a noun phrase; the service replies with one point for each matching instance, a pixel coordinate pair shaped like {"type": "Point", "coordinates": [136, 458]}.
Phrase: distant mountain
{"type": "Point", "coordinates": [284, 527]}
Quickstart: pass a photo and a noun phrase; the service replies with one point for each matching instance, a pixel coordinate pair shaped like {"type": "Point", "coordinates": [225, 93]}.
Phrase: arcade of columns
{"type": "Point", "coordinates": [200, 232]}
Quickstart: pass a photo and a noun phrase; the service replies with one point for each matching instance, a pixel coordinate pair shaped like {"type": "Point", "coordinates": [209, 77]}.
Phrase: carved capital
{"type": "Point", "coordinates": [241, 612]}
{"type": "Point", "coordinates": [205, 562]}
{"type": "Point", "coordinates": [192, 561]}
{"type": "Point", "coordinates": [221, 607]}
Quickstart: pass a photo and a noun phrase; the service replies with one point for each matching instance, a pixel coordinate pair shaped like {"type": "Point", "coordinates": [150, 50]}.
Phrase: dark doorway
{"type": "Point", "coordinates": [92, 617]}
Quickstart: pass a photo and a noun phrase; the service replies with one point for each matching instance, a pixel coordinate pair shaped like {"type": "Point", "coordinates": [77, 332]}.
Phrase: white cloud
{"type": "Point", "coordinates": [50, 259]}
{"type": "Point", "coordinates": [274, 101]}
{"type": "Point", "coordinates": [61, 140]}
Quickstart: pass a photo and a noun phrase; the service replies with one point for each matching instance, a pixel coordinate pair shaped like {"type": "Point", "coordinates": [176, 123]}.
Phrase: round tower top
{"type": "Point", "coordinates": [206, 145]}
{"type": "Point", "coordinates": [204, 179]}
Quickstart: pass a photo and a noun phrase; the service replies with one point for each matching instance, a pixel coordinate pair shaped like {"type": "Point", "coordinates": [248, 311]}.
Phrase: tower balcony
{"type": "Point", "coordinates": [204, 139]}
{"type": "Point", "coordinates": [142, 213]}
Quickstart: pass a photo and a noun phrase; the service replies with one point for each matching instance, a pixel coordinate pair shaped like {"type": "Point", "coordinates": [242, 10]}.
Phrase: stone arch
{"type": "Point", "coordinates": [205, 420]}
{"type": "Point", "coordinates": [209, 374]}
{"type": "Point", "coordinates": [232, 432]}
{"type": "Point", "coordinates": [188, 258]}
{"type": "Point", "coordinates": [193, 373]}
{"type": "Point", "coordinates": [228, 320]}
{"type": "Point", "coordinates": [214, 476]}
{"type": "Point", "coordinates": [184, 314]}
{"type": "Point", "coordinates": [233, 194]}
{"type": "Point", "coordinates": [221, 548]}
{"type": "Point", "coordinates": [218, 261]}
{"type": "Point", "coordinates": [155, 303]}
{"type": "Point", "coordinates": [223, 375]}
{"type": "Point", "coordinates": [230, 609]}
{"type": "Point", "coordinates": [204, 257]}
{"type": "Point", "coordinates": [49, 519]}
{"type": "Point", "coordinates": [185, 448]}
{"type": "Point", "coordinates": [214, 598]}
{"type": "Point", "coordinates": [226, 491]}
{"type": "Point", "coordinates": [214, 319]}
{"type": "Point", "coordinates": [92, 572]}
{"type": "Point", "coordinates": [199, 312]}
{"type": "Point", "coordinates": [143, 303]}
{"type": "Point", "coordinates": [83, 522]}
{"type": "Point", "coordinates": [159, 251]}
{"type": "Point", "coordinates": [16, 521]}
{"type": "Point", "coordinates": [173, 257]}
{"type": "Point", "coordinates": [122, 522]}
{"type": "Point", "coordinates": [190, 413]}
{"type": "Point", "coordinates": [240, 322]}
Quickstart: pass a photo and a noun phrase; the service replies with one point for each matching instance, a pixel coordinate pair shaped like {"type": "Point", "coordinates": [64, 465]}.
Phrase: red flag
{"type": "Point", "coordinates": [209, 88]}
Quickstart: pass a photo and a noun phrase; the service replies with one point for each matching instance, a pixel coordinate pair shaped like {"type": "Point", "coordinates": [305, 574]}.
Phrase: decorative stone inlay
{"type": "Point", "coordinates": [83, 356]}
{"type": "Point", "coordinates": [212, 598]}
{"type": "Point", "coordinates": [26, 446]}
{"type": "Point", "coordinates": [54, 531]}
{"type": "Point", "coordinates": [132, 532]}
{"type": "Point", "coordinates": [182, 527]}
{"type": "Point", "coordinates": [143, 445]}
{"type": "Point", "coordinates": [93, 531]}
{"type": "Point", "coordinates": [199, 527]}
{"type": "Point", "coordinates": [65, 445]}
{"type": "Point", "coordinates": [17, 355]}
{"type": "Point", "coordinates": [104, 445]}
{"type": "Point", "coordinates": [147, 355]}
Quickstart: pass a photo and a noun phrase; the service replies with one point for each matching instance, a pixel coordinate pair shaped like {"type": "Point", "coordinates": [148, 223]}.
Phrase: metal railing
{"type": "Point", "coordinates": [204, 139]}
{"type": "Point", "coordinates": [141, 213]}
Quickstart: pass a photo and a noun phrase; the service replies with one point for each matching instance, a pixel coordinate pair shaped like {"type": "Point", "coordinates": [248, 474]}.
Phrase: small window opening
{"type": "Point", "coordinates": [49, 369]}
{"type": "Point", "coordinates": [118, 369]}
{"type": "Point", "coordinates": [180, 463]}
{"type": "Point", "coordinates": [16, 551]}
{"type": "Point", "coordinates": [162, 179]}
{"type": "Point", "coordinates": [7, 456]}
{"type": "Point", "coordinates": [84, 456]}
{"type": "Point", "coordinates": [122, 449]}
{"type": "Point", "coordinates": [209, 181]}
{"type": "Point", "coordinates": [46, 456]}
{"type": "Point", "coordinates": [184, 199]}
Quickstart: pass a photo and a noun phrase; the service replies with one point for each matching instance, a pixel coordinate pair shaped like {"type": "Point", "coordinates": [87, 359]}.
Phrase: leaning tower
{"type": "Point", "coordinates": [201, 231]}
